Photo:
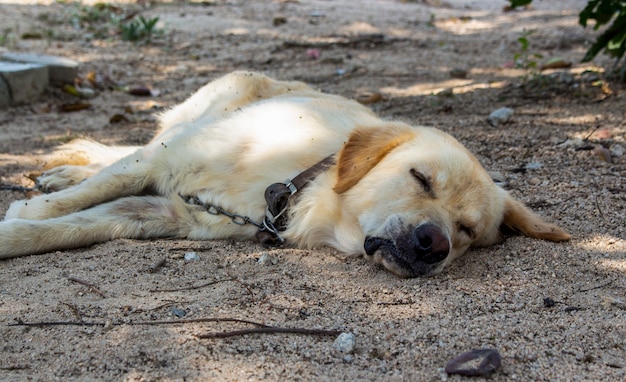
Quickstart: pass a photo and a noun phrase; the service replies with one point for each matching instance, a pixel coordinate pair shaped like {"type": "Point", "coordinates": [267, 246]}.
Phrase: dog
{"type": "Point", "coordinates": [409, 198]}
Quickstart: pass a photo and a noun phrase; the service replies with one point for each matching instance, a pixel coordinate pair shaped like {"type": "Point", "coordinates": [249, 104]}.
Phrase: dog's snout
{"type": "Point", "coordinates": [430, 244]}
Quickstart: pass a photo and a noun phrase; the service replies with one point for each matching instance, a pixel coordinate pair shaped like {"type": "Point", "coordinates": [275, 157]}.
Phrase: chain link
{"type": "Point", "coordinates": [217, 210]}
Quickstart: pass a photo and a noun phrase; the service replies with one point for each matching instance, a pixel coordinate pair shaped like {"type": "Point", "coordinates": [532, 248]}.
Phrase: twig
{"type": "Point", "coordinates": [191, 287]}
{"type": "Point", "coordinates": [591, 133]}
{"type": "Point", "coordinates": [598, 207]}
{"type": "Point", "coordinates": [134, 323]}
{"type": "Point", "coordinates": [4, 187]}
{"type": "Point", "coordinates": [596, 287]}
{"type": "Point", "coordinates": [242, 284]}
{"type": "Point", "coordinates": [615, 190]}
{"type": "Point", "coordinates": [89, 285]}
{"type": "Point", "coordinates": [544, 203]}
{"type": "Point", "coordinates": [270, 330]}
{"type": "Point", "coordinates": [74, 309]}
{"type": "Point", "coordinates": [16, 367]}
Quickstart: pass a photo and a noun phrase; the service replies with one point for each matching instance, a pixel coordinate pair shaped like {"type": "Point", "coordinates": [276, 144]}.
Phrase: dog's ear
{"type": "Point", "coordinates": [365, 148]}
{"type": "Point", "coordinates": [519, 218]}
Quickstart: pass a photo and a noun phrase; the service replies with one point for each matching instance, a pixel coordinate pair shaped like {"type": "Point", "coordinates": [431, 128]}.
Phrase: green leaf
{"type": "Point", "coordinates": [519, 3]}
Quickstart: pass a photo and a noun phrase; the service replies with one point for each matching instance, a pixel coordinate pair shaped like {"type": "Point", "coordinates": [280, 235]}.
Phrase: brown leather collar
{"type": "Point", "coordinates": [277, 197]}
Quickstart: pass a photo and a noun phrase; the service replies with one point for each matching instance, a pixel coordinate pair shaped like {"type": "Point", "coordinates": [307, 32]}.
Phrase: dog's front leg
{"type": "Point", "coordinates": [129, 176]}
{"type": "Point", "coordinates": [140, 217]}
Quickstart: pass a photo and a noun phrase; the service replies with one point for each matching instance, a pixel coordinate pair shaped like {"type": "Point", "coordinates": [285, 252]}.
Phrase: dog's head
{"type": "Point", "coordinates": [422, 199]}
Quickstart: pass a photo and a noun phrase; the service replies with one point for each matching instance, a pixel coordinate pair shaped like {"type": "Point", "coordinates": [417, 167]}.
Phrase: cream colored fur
{"type": "Point", "coordinates": [243, 132]}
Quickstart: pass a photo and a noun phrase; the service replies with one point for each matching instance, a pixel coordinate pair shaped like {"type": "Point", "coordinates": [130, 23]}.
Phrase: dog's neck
{"type": "Point", "coordinates": [277, 197]}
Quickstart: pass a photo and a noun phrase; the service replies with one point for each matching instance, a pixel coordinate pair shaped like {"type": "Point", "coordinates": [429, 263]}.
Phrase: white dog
{"type": "Point", "coordinates": [409, 198]}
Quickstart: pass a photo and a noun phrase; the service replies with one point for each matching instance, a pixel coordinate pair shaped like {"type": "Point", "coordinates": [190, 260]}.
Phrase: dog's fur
{"type": "Point", "coordinates": [409, 198]}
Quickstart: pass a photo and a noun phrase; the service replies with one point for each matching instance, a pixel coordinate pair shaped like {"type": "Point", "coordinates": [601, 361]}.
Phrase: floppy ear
{"type": "Point", "coordinates": [520, 219]}
{"type": "Point", "coordinates": [365, 148]}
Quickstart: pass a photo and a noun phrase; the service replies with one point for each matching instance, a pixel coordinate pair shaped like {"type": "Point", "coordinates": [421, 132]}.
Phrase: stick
{"type": "Point", "coordinates": [87, 284]}
{"type": "Point", "coordinates": [16, 188]}
{"type": "Point", "coordinates": [233, 278]}
{"type": "Point", "coordinates": [270, 330]}
{"type": "Point", "coordinates": [187, 321]}
{"type": "Point", "coordinates": [191, 287]}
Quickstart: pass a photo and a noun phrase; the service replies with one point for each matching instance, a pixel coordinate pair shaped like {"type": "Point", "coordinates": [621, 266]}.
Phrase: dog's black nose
{"type": "Point", "coordinates": [430, 245]}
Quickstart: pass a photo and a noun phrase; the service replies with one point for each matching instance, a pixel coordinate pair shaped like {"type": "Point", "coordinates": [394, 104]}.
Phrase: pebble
{"type": "Point", "coordinates": [458, 73]}
{"type": "Point", "coordinates": [179, 312]}
{"type": "Point", "coordinates": [191, 256]}
{"type": "Point", "coordinates": [475, 362]}
{"type": "Point", "coordinates": [500, 116]}
{"type": "Point", "coordinates": [267, 259]}
{"type": "Point", "coordinates": [345, 343]}
{"type": "Point", "coordinates": [534, 165]}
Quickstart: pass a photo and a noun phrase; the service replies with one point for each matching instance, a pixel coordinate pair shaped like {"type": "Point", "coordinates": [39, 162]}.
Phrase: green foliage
{"type": "Point", "coordinates": [141, 29]}
{"type": "Point", "coordinates": [525, 59]}
{"type": "Point", "coordinates": [519, 3]}
{"type": "Point", "coordinates": [106, 20]}
{"type": "Point", "coordinates": [613, 39]}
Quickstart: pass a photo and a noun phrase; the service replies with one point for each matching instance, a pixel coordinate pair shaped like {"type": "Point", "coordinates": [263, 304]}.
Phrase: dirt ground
{"type": "Point", "coordinates": [555, 312]}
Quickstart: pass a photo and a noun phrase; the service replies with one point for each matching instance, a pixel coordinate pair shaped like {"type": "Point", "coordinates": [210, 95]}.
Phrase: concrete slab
{"type": "Point", "coordinates": [23, 82]}
{"type": "Point", "coordinates": [61, 70]}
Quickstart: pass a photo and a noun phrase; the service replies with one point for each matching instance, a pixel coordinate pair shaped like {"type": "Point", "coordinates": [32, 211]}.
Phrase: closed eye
{"type": "Point", "coordinates": [422, 179]}
{"type": "Point", "coordinates": [466, 230]}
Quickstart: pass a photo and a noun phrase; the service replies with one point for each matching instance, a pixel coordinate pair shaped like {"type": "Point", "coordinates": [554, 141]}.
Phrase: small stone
{"type": "Point", "coordinates": [86, 92]}
{"type": "Point", "coordinates": [500, 116]}
{"type": "Point", "coordinates": [548, 302]}
{"type": "Point", "coordinates": [191, 256]}
{"type": "Point", "coordinates": [345, 343]}
{"type": "Point", "coordinates": [369, 98]}
{"type": "Point", "coordinates": [497, 177]}
{"type": "Point", "coordinates": [534, 165]}
{"type": "Point", "coordinates": [458, 73]}
{"type": "Point", "coordinates": [617, 150]}
{"type": "Point", "coordinates": [449, 92]}
{"type": "Point", "coordinates": [279, 20]}
{"type": "Point", "coordinates": [267, 259]}
{"type": "Point", "coordinates": [563, 77]}
{"type": "Point", "coordinates": [179, 312]}
{"type": "Point", "coordinates": [475, 362]}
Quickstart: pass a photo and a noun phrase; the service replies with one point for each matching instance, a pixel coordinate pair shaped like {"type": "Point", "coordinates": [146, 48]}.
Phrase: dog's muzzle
{"type": "Point", "coordinates": [414, 252]}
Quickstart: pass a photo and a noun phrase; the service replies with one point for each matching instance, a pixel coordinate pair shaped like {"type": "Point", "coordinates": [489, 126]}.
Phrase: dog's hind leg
{"type": "Point", "coordinates": [226, 95]}
{"type": "Point", "coordinates": [135, 217]}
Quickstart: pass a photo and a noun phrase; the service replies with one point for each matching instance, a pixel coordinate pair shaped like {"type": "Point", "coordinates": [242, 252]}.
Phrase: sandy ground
{"type": "Point", "coordinates": [555, 312]}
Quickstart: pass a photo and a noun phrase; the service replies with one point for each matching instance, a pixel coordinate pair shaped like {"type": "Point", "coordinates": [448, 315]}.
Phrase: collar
{"type": "Point", "coordinates": [277, 197]}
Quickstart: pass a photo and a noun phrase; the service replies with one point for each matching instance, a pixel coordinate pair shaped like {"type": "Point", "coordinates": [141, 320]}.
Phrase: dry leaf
{"type": "Point", "coordinates": [603, 154]}
{"type": "Point", "coordinates": [71, 107]}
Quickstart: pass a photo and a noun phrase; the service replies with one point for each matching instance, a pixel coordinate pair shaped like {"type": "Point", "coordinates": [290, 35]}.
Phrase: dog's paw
{"type": "Point", "coordinates": [62, 177]}
{"type": "Point", "coordinates": [38, 208]}
{"type": "Point", "coordinates": [15, 210]}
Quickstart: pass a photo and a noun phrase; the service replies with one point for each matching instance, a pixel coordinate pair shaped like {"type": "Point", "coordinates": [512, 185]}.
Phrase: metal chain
{"type": "Point", "coordinates": [217, 210]}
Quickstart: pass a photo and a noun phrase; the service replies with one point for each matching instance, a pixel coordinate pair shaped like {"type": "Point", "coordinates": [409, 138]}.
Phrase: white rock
{"type": "Point", "coordinates": [500, 116]}
{"type": "Point", "coordinates": [345, 343]}
{"type": "Point", "coordinates": [617, 150]}
{"type": "Point", "coordinates": [267, 259]}
{"type": "Point", "coordinates": [191, 256]}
